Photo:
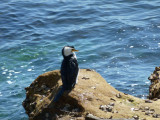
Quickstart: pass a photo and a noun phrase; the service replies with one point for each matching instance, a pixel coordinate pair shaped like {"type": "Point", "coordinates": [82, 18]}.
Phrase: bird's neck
{"type": "Point", "coordinates": [68, 57]}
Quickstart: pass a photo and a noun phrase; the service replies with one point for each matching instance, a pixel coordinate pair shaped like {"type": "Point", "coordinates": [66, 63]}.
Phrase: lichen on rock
{"type": "Point", "coordinates": [91, 98]}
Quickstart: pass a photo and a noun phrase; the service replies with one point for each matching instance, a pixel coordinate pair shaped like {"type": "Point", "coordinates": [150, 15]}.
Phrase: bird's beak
{"type": "Point", "coordinates": [74, 50]}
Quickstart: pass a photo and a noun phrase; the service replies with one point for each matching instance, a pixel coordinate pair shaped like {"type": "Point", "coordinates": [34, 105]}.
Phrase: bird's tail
{"type": "Point", "coordinates": [58, 95]}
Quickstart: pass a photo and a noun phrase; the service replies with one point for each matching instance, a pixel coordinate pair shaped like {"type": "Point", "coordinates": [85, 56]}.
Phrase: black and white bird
{"type": "Point", "coordinates": [69, 70]}
{"type": "Point", "coordinates": [69, 67]}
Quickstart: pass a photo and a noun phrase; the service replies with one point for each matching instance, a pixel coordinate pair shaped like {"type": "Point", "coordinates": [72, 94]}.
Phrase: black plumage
{"type": "Point", "coordinates": [69, 71]}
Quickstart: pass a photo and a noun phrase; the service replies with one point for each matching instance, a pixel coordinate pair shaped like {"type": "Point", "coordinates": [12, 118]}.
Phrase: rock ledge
{"type": "Point", "coordinates": [91, 96]}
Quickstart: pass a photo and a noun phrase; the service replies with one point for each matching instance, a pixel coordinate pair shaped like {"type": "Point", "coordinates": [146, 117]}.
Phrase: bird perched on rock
{"type": "Point", "coordinates": [69, 71]}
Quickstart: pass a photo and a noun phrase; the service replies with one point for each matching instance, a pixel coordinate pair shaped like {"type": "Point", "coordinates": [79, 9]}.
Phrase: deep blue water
{"type": "Point", "coordinates": [120, 39]}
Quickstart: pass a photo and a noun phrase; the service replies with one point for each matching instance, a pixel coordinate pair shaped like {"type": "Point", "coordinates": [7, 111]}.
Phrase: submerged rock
{"type": "Point", "coordinates": [83, 99]}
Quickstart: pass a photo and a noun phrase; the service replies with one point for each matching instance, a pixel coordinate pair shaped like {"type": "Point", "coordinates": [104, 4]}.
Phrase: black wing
{"type": "Point", "coordinates": [73, 72]}
{"type": "Point", "coordinates": [64, 74]}
{"type": "Point", "coordinates": [69, 73]}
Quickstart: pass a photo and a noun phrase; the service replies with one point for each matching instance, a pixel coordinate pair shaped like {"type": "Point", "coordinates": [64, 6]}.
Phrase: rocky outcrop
{"type": "Point", "coordinates": [154, 89]}
{"type": "Point", "coordinates": [91, 99]}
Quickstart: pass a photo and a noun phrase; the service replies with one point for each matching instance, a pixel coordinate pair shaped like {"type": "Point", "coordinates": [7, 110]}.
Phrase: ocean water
{"type": "Point", "coordinates": [119, 39]}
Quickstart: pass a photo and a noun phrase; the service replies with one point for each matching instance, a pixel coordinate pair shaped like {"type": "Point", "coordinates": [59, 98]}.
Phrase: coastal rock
{"type": "Point", "coordinates": [154, 89]}
{"type": "Point", "coordinates": [83, 99]}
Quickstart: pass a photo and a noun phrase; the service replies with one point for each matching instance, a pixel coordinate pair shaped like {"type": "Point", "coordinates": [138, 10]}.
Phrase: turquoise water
{"type": "Point", "coordinates": [119, 39]}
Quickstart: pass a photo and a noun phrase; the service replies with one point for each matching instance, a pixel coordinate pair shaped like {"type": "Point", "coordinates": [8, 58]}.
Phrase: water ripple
{"type": "Point", "coordinates": [119, 39]}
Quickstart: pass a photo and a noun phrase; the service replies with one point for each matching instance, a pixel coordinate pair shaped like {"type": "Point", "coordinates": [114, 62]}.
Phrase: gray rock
{"type": "Point", "coordinates": [143, 119]}
{"type": "Point", "coordinates": [93, 87]}
{"type": "Point", "coordinates": [130, 100]}
{"type": "Point", "coordinates": [112, 99]}
{"type": "Point", "coordinates": [118, 95]}
{"type": "Point", "coordinates": [103, 107]}
{"type": "Point", "coordinates": [91, 117]}
{"type": "Point", "coordinates": [106, 108]}
{"type": "Point", "coordinates": [136, 109]}
{"type": "Point", "coordinates": [90, 70]}
{"type": "Point", "coordinates": [115, 111]}
{"type": "Point", "coordinates": [86, 78]}
{"type": "Point", "coordinates": [136, 117]}
{"type": "Point", "coordinates": [146, 108]}
{"type": "Point", "coordinates": [148, 101]}
{"type": "Point", "coordinates": [109, 108]}
{"type": "Point", "coordinates": [156, 115]}
{"type": "Point", "coordinates": [152, 111]}
{"type": "Point", "coordinates": [147, 112]}
{"type": "Point", "coordinates": [155, 99]}
{"type": "Point", "coordinates": [111, 104]}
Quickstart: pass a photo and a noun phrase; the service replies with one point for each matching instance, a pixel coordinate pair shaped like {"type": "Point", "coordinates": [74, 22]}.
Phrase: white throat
{"type": "Point", "coordinates": [67, 51]}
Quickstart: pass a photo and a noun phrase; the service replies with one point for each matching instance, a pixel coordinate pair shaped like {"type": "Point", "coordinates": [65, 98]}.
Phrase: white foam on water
{"type": "Point", "coordinates": [22, 66]}
{"type": "Point", "coordinates": [3, 73]}
{"type": "Point", "coordinates": [29, 70]}
{"type": "Point", "coordinates": [11, 71]}
{"type": "Point", "coordinates": [16, 72]}
{"type": "Point", "coordinates": [158, 44]}
{"type": "Point", "coordinates": [1, 94]}
{"type": "Point", "coordinates": [8, 77]}
{"type": "Point", "coordinates": [15, 76]}
{"type": "Point", "coordinates": [147, 82]}
{"type": "Point", "coordinates": [15, 105]}
{"type": "Point", "coordinates": [131, 47]}
{"type": "Point", "coordinates": [2, 68]}
{"type": "Point", "coordinates": [10, 74]}
{"type": "Point", "coordinates": [6, 70]}
{"type": "Point", "coordinates": [134, 85]}
{"type": "Point", "coordinates": [123, 83]}
{"type": "Point", "coordinates": [30, 63]}
{"type": "Point", "coordinates": [9, 82]}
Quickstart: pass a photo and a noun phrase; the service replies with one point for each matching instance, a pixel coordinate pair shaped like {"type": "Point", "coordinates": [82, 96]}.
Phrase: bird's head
{"type": "Point", "coordinates": [68, 50]}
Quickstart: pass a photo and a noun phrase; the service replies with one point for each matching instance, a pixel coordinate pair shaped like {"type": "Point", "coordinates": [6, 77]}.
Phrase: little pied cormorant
{"type": "Point", "coordinates": [69, 71]}
{"type": "Point", "coordinates": [69, 67]}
